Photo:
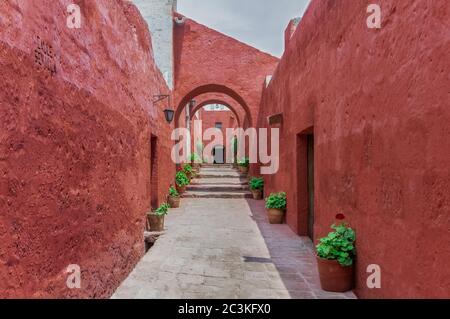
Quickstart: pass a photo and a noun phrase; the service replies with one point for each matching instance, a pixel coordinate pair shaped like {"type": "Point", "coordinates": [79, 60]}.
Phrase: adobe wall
{"type": "Point", "coordinates": [379, 104]}
{"type": "Point", "coordinates": [74, 158]}
{"type": "Point", "coordinates": [207, 61]}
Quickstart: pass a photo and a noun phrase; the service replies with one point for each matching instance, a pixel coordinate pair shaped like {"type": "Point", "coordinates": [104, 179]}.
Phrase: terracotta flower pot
{"type": "Point", "coordinates": [181, 189]}
{"type": "Point", "coordinates": [276, 216]}
{"type": "Point", "coordinates": [155, 222]}
{"type": "Point", "coordinates": [334, 277]}
{"type": "Point", "coordinates": [257, 194]}
{"type": "Point", "coordinates": [243, 169]}
{"type": "Point", "coordinates": [174, 202]}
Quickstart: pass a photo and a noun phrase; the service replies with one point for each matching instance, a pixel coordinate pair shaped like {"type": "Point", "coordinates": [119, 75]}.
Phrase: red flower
{"type": "Point", "coordinates": [340, 216]}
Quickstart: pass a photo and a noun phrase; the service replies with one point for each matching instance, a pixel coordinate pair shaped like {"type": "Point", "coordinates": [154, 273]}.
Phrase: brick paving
{"type": "Point", "coordinates": [225, 248]}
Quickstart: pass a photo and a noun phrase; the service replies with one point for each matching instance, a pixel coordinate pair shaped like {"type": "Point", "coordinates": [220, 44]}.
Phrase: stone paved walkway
{"type": "Point", "coordinates": [225, 248]}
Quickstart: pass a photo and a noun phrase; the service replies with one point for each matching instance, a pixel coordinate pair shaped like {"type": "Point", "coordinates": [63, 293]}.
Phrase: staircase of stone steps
{"type": "Point", "coordinates": [218, 181]}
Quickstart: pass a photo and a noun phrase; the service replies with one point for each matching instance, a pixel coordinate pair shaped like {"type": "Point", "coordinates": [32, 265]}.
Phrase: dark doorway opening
{"type": "Point", "coordinates": [219, 154]}
{"type": "Point", "coordinates": [154, 172]}
{"type": "Point", "coordinates": [305, 183]}
{"type": "Point", "coordinates": [310, 183]}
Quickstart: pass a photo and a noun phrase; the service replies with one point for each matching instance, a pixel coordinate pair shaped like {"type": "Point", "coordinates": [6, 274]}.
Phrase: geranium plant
{"type": "Point", "coordinates": [244, 162]}
{"type": "Point", "coordinates": [162, 210]}
{"type": "Point", "coordinates": [173, 192]}
{"type": "Point", "coordinates": [181, 179]}
{"type": "Point", "coordinates": [187, 169]}
{"type": "Point", "coordinates": [338, 245]}
{"type": "Point", "coordinates": [276, 201]}
{"type": "Point", "coordinates": [256, 183]}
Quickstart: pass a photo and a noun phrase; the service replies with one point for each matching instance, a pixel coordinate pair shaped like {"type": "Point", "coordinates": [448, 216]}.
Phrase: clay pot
{"type": "Point", "coordinates": [196, 166]}
{"type": "Point", "coordinates": [257, 194]}
{"type": "Point", "coordinates": [334, 277]}
{"type": "Point", "coordinates": [155, 222]}
{"type": "Point", "coordinates": [243, 169]}
{"type": "Point", "coordinates": [174, 202]}
{"type": "Point", "coordinates": [276, 216]}
{"type": "Point", "coordinates": [181, 190]}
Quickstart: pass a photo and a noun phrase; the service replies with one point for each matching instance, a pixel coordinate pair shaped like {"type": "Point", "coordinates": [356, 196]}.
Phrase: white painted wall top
{"type": "Point", "coordinates": [159, 17]}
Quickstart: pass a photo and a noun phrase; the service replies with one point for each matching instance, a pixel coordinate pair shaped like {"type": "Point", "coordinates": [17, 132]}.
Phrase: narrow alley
{"type": "Point", "coordinates": [221, 248]}
{"type": "Point", "coordinates": [147, 150]}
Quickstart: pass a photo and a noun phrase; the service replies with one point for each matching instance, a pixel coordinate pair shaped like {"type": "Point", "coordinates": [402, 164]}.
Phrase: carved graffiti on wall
{"type": "Point", "coordinates": [45, 56]}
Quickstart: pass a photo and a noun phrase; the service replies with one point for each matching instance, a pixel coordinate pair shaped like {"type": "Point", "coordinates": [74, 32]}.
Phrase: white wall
{"type": "Point", "coordinates": [158, 14]}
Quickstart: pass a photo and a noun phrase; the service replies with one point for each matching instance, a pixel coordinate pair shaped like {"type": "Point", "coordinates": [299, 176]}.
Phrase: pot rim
{"type": "Point", "coordinates": [280, 210]}
{"type": "Point", "coordinates": [331, 261]}
{"type": "Point", "coordinates": [154, 214]}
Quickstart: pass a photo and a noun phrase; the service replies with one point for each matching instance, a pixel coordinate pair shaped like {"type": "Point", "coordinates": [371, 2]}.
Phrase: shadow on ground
{"type": "Point", "coordinates": [293, 257]}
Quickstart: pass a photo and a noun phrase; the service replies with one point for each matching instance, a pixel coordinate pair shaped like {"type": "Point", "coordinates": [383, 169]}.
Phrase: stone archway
{"type": "Point", "coordinates": [214, 88]}
{"type": "Point", "coordinates": [221, 102]}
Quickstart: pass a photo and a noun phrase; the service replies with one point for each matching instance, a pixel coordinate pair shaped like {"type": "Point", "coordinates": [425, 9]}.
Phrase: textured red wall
{"type": "Point", "coordinates": [75, 146]}
{"type": "Point", "coordinates": [379, 104]}
{"type": "Point", "coordinates": [209, 61]}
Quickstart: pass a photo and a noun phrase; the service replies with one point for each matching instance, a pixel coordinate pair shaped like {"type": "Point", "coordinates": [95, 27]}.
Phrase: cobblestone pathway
{"type": "Point", "coordinates": [225, 248]}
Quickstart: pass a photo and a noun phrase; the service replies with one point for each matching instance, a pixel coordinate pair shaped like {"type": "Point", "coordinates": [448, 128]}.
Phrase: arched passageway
{"type": "Point", "coordinates": [214, 88]}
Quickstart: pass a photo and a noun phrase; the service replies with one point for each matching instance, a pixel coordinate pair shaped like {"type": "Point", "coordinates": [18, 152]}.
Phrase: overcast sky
{"type": "Point", "coordinates": [260, 23]}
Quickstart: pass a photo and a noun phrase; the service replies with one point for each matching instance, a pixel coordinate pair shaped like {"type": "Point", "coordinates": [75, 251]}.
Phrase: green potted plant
{"type": "Point", "coordinates": [156, 218]}
{"type": "Point", "coordinates": [195, 161]}
{"type": "Point", "coordinates": [181, 181]}
{"type": "Point", "coordinates": [187, 169]}
{"type": "Point", "coordinates": [174, 197]}
{"type": "Point", "coordinates": [276, 207]}
{"type": "Point", "coordinates": [335, 256]}
{"type": "Point", "coordinates": [244, 164]}
{"type": "Point", "coordinates": [256, 187]}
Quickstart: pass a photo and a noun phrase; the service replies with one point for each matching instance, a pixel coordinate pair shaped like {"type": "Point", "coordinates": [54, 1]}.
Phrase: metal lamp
{"type": "Point", "coordinates": [169, 113]}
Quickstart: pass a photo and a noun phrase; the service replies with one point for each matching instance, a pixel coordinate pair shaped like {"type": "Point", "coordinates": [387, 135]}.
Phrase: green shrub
{"type": "Point", "coordinates": [162, 210]}
{"type": "Point", "coordinates": [181, 179]}
{"type": "Point", "coordinates": [195, 158]}
{"type": "Point", "coordinates": [244, 162]}
{"type": "Point", "coordinates": [173, 192]}
{"type": "Point", "coordinates": [187, 169]}
{"type": "Point", "coordinates": [256, 183]}
{"type": "Point", "coordinates": [276, 201]}
{"type": "Point", "coordinates": [338, 245]}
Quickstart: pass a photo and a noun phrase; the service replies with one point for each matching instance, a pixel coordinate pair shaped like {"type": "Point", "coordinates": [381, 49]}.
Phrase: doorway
{"type": "Point", "coordinates": [154, 172]}
{"type": "Point", "coordinates": [310, 184]}
{"type": "Point", "coordinates": [305, 183]}
{"type": "Point", "coordinates": [219, 154]}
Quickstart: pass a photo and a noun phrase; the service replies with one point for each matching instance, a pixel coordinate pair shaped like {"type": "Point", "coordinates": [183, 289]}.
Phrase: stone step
{"type": "Point", "coordinates": [214, 174]}
{"type": "Point", "coordinates": [216, 166]}
{"type": "Point", "coordinates": [217, 187]}
{"type": "Point", "coordinates": [220, 181]}
{"type": "Point", "coordinates": [235, 194]}
{"type": "Point", "coordinates": [221, 172]}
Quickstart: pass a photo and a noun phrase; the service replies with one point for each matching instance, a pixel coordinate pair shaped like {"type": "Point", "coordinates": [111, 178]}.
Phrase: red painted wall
{"type": "Point", "coordinates": [75, 146]}
{"type": "Point", "coordinates": [379, 104]}
{"type": "Point", "coordinates": [207, 61]}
